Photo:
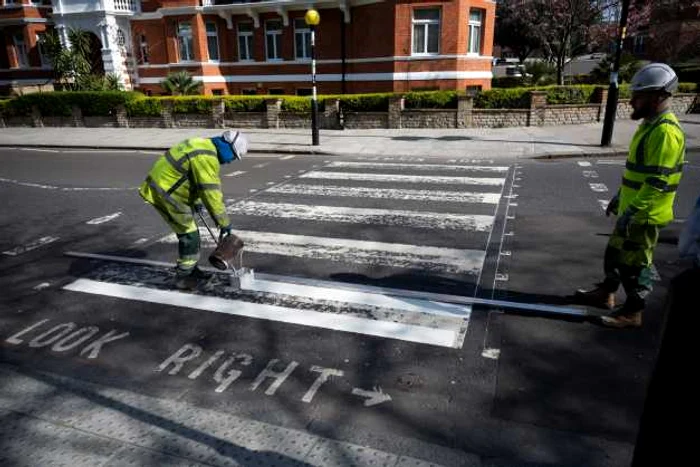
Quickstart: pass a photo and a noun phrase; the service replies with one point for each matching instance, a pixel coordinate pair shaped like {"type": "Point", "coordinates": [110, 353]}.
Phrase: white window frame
{"type": "Point", "coordinates": [426, 23]}
{"type": "Point", "coordinates": [479, 26]}
{"type": "Point", "coordinates": [23, 57]}
{"type": "Point", "coordinates": [180, 38]}
{"type": "Point", "coordinates": [277, 34]}
{"type": "Point", "coordinates": [302, 31]}
{"type": "Point", "coordinates": [247, 37]}
{"type": "Point", "coordinates": [215, 35]}
{"type": "Point", "coordinates": [144, 53]}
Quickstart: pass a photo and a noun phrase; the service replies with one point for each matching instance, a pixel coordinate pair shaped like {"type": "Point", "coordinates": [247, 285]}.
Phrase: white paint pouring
{"type": "Point", "coordinates": [395, 178]}
{"type": "Point", "coordinates": [30, 246]}
{"type": "Point", "coordinates": [352, 324]}
{"type": "Point", "coordinates": [387, 193]}
{"type": "Point", "coordinates": [347, 215]}
{"type": "Point", "coordinates": [420, 167]}
{"type": "Point", "coordinates": [398, 255]}
{"type": "Point", "coordinates": [105, 219]}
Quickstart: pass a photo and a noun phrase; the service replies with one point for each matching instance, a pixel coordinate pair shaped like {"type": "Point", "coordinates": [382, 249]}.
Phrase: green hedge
{"type": "Point", "coordinates": [576, 94]}
{"type": "Point", "coordinates": [513, 98]}
{"type": "Point", "coordinates": [145, 107]}
{"type": "Point", "coordinates": [245, 103]}
{"type": "Point", "coordinates": [59, 104]}
{"type": "Point", "coordinates": [431, 100]}
{"type": "Point", "coordinates": [378, 102]}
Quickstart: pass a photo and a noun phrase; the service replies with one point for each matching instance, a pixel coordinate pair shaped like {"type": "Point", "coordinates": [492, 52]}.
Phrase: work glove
{"type": "Point", "coordinates": [623, 222]}
{"type": "Point", "coordinates": [613, 206]}
{"type": "Point", "coordinates": [198, 207]}
{"type": "Point", "coordinates": [225, 232]}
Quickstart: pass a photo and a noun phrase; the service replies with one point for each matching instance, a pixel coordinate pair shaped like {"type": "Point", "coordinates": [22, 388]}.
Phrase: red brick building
{"type": "Point", "coordinates": [262, 46]}
{"type": "Point", "coordinates": [22, 65]}
{"type": "Point", "coordinates": [362, 45]}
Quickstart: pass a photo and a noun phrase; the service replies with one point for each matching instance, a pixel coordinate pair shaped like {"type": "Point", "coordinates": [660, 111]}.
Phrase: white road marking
{"type": "Point", "coordinates": [387, 193]}
{"type": "Point", "coordinates": [141, 241]}
{"type": "Point", "coordinates": [235, 174]}
{"type": "Point", "coordinates": [348, 215]}
{"type": "Point", "coordinates": [404, 332]}
{"type": "Point", "coordinates": [397, 165]}
{"type": "Point", "coordinates": [286, 158]}
{"type": "Point", "coordinates": [590, 174]}
{"type": "Point", "coordinates": [604, 203]}
{"type": "Point", "coordinates": [391, 178]}
{"type": "Point", "coordinates": [30, 246]}
{"type": "Point", "coordinates": [260, 166]}
{"type": "Point", "coordinates": [399, 255]}
{"type": "Point", "coordinates": [492, 354]}
{"type": "Point", "coordinates": [598, 187]}
{"type": "Point", "coordinates": [58, 188]}
{"type": "Point", "coordinates": [584, 163]}
{"type": "Point", "coordinates": [360, 298]}
{"type": "Point", "coordinates": [102, 220]}
{"type": "Point", "coordinates": [39, 150]}
{"type": "Point", "coordinates": [42, 286]}
{"type": "Point", "coordinates": [611, 162]}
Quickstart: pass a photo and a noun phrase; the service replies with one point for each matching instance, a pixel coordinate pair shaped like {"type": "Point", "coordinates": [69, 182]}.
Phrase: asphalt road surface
{"type": "Point", "coordinates": [316, 342]}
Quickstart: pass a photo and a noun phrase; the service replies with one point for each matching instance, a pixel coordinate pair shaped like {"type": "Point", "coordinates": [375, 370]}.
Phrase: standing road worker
{"type": "Point", "coordinates": [180, 182]}
{"type": "Point", "coordinates": [644, 203]}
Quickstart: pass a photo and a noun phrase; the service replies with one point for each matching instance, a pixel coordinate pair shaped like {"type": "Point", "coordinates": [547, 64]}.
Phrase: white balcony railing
{"type": "Point", "coordinates": [133, 6]}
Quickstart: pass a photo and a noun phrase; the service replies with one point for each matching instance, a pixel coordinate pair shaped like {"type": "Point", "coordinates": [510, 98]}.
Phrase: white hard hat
{"type": "Point", "coordinates": [655, 77]}
{"type": "Point", "coordinates": [238, 142]}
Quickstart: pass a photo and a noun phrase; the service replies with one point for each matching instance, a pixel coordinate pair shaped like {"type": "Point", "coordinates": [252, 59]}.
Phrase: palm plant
{"type": "Point", "coordinates": [181, 84]}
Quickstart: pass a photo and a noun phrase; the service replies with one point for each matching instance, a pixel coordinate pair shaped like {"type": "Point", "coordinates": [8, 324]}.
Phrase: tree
{"type": "Point", "coordinates": [514, 28]}
{"type": "Point", "coordinates": [181, 84]}
{"type": "Point", "coordinates": [74, 67]}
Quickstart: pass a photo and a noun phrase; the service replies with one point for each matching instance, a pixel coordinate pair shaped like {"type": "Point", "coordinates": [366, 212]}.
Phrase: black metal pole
{"type": "Point", "coordinates": [343, 53]}
{"type": "Point", "coordinates": [614, 89]}
{"type": "Point", "coordinates": [314, 98]}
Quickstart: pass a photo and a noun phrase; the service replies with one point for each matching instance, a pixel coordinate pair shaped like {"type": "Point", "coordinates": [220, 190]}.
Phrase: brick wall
{"type": "Point", "coordinates": [571, 114]}
{"type": "Point", "coordinates": [192, 121]}
{"type": "Point", "coordinates": [366, 120]}
{"type": "Point", "coordinates": [487, 118]}
{"type": "Point", "coordinates": [245, 119]}
{"type": "Point", "coordinates": [429, 119]}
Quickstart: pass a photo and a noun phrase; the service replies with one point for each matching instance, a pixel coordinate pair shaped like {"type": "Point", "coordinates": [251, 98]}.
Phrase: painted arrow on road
{"type": "Point", "coordinates": [375, 397]}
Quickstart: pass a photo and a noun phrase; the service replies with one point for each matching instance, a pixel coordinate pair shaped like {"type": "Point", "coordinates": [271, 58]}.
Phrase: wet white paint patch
{"type": "Point", "coordinates": [387, 193]}
{"type": "Point", "coordinates": [352, 324]}
{"type": "Point", "coordinates": [395, 178]}
{"type": "Point", "coordinates": [286, 158]}
{"type": "Point", "coordinates": [260, 166]}
{"type": "Point", "coordinates": [347, 215]}
{"type": "Point", "coordinates": [590, 174]}
{"type": "Point", "coordinates": [399, 255]}
{"type": "Point", "coordinates": [492, 354]}
{"type": "Point", "coordinates": [30, 246]}
{"type": "Point", "coordinates": [235, 174]}
{"type": "Point", "coordinates": [584, 163]}
{"type": "Point", "coordinates": [426, 167]}
{"type": "Point", "coordinates": [604, 203]}
{"type": "Point", "coordinates": [104, 219]}
{"type": "Point", "coordinates": [598, 187]}
{"type": "Point", "coordinates": [360, 298]}
{"type": "Point", "coordinates": [42, 286]}
{"type": "Point", "coordinates": [58, 188]}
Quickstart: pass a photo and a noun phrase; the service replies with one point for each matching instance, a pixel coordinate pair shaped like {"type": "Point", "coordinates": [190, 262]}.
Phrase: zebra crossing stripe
{"type": "Point", "coordinates": [396, 165]}
{"type": "Point", "coordinates": [348, 215]}
{"type": "Point", "coordinates": [386, 193]}
{"type": "Point", "coordinates": [353, 324]}
{"type": "Point", "coordinates": [397, 255]}
{"type": "Point", "coordinates": [395, 178]}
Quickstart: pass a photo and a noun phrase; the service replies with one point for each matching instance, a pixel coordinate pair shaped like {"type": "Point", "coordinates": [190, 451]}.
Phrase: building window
{"type": "Point", "coordinates": [217, 92]}
{"type": "Point", "coordinates": [212, 41]}
{"type": "Point", "coordinates": [276, 92]}
{"type": "Point", "coordinates": [249, 92]}
{"type": "Point", "coordinates": [273, 40]}
{"type": "Point", "coordinates": [426, 31]}
{"type": "Point", "coordinates": [245, 42]}
{"type": "Point", "coordinates": [21, 50]}
{"type": "Point", "coordinates": [302, 39]}
{"type": "Point", "coordinates": [184, 40]}
{"type": "Point", "coordinates": [638, 45]}
{"type": "Point", "coordinates": [143, 49]}
{"type": "Point", "coordinates": [476, 19]}
{"type": "Point", "coordinates": [43, 56]}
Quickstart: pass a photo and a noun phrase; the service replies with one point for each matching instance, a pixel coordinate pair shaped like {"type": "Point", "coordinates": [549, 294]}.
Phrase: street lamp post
{"type": "Point", "coordinates": [312, 18]}
{"type": "Point", "coordinates": [614, 89]}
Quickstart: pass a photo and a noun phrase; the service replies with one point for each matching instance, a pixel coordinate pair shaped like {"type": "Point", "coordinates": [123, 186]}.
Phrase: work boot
{"type": "Point", "coordinates": [190, 280]}
{"type": "Point", "coordinates": [597, 297]}
{"type": "Point", "coordinates": [623, 319]}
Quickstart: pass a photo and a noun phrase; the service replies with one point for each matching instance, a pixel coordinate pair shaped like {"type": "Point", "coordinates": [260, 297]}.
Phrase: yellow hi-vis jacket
{"type": "Point", "coordinates": [653, 170]}
{"type": "Point", "coordinates": [185, 173]}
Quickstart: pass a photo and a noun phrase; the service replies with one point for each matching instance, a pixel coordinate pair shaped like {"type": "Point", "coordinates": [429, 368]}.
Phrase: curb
{"type": "Point", "coordinates": [310, 151]}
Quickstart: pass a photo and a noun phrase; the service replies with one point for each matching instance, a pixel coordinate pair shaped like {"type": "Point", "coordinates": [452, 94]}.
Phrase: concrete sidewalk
{"type": "Point", "coordinates": [480, 143]}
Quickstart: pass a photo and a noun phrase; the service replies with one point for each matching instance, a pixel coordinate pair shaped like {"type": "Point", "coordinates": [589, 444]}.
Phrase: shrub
{"type": "Point", "coordinates": [244, 103]}
{"type": "Point", "coordinates": [190, 105]}
{"type": "Point", "coordinates": [514, 98]}
{"type": "Point", "coordinates": [431, 100]}
{"type": "Point", "coordinates": [296, 104]}
{"type": "Point", "coordinates": [577, 94]}
{"type": "Point", "coordinates": [145, 107]}
{"type": "Point", "coordinates": [59, 104]}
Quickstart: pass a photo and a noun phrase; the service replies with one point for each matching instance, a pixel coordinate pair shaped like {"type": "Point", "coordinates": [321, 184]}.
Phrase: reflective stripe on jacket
{"type": "Point", "coordinates": [185, 173]}
{"type": "Point", "coordinates": [653, 170]}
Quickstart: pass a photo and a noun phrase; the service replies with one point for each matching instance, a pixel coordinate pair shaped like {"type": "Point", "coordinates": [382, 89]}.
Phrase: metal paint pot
{"type": "Point", "coordinates": [229, 248]}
